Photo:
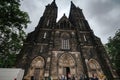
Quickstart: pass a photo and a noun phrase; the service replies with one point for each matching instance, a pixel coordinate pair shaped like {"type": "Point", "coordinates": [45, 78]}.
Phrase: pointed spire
{"type": "Point", "coordinates": [53, 0]}
{"type": "Point", "coordinates": [64, 14]}
{"type": "Point", "coordinates": [72, 5]}
{"type": "Point", "coordinates": [53, 3]}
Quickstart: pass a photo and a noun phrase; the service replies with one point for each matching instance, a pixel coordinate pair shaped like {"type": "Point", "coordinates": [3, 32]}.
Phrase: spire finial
{"type": "Point", "coordinates": [53, 3]}
{"type": "Point", "coordinates": [64, 14]}
{"type": "Point", "coordinates": [72, 4]}
{"type": "Point", "coordinates": [53, 0]}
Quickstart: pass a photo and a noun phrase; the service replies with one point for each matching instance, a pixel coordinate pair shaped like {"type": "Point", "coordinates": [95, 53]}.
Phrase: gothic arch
{"type": "Point", "coordinates": [65, 41]}
{"type": "Point", "coordinates": [95, 69]}
{"type": "Point", "coordinates": [36, 68]}
{"type": "Point", "coordinates": [66, 60]}
{"type": "Point", "coordinates": [38, 62]}
{"type": "Point", "coordinates": [65, 35]}
{"type": "Point", "coordinates": [67, 64]}
{"type": "Point", "coordinates": [93, 64]}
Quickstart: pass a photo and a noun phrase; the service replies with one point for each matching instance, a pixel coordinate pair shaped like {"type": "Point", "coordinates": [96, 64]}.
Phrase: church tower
{"type": "Point", "coordinates": [67, 47]}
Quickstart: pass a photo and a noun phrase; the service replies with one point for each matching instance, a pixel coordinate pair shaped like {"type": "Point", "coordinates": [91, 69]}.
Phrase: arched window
{"type": "Point", "coordinates": [41, 49]}
{"type": "Point", "coordinates": [80, 25]}
{"type": "Point", "coordinates": [48, 23]}
{"type": "Point", "coordinates": [45, 34]}
{"type": "Point", "coordinates": [84, 36]}
{"type": "Point", "coordinates": [65, 41]}
{"type": "Point", "coordinates": [65, 44]}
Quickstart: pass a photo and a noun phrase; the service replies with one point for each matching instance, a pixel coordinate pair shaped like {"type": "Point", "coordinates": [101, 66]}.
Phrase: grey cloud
{"type": "Point", "coordinates": [97, 8]}
{"type": "Point", "coordinates": [115, 2]}
{"type": "Point", "coordinates": [103, 16]}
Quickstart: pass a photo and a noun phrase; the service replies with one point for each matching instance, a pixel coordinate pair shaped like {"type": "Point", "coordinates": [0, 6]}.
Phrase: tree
{"type": "Point", "coordinates": [13, 21]}
{"type": "Point", "coordinates": [113, 49]}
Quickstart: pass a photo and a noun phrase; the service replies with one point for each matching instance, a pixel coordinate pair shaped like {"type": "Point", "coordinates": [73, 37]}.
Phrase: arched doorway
{"type": "Point", "coordinates": [95, 69]}
{"type": "Point", "coordinates": [36, 69]}
{"type": "Point", "coordinates": [66, 65]}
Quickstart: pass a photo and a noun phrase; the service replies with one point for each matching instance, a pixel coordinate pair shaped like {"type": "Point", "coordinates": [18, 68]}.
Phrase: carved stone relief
{"type": "Point", "coordinates": [95, 69]}
{"type": "Point", "coordinates": [66, 60]}
{"type": "Point", "coordinates": [37, 66]}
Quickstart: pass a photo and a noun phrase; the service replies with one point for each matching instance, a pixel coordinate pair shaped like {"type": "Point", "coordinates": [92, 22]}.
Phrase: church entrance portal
{"type": "Point", "coordinates": [66, 65]}
{"type": "Point", "coordinates": [36, 70]}
{"type": "Point", "coordinates": [66, 71]}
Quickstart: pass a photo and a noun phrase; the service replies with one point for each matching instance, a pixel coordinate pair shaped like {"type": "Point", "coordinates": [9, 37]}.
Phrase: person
{"type": "Point", "coordinates": [32, 77]}
{"type": "Point", "coordinates": [49, 78]}
{"type": "Point", "coordinates": [65, 77]}
{"type": "Point", "coordinates": [81, 77]}
{"type": "Point", "coordinates": [59, 77]}
{"type": "Point", "coordinates": [69, 76]}
{"type": "Point", "coordinates": [94, 77]}
{"type": "Point", "coordinates": [85, 77]}
{"type": "Point", "coordinates": [73, 78]}
{"type": "Point", "coordinates": [62, 77]}
{"type": "Point", "coordinates": [76, 78]}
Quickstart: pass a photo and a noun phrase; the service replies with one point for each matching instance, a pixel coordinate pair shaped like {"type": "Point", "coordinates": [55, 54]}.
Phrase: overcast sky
{"type": "Point", "coordinates": [103, 16]}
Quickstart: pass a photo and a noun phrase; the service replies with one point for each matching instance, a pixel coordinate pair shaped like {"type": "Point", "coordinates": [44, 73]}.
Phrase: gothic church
{"type": "Point", "coordinates": [67, 46]}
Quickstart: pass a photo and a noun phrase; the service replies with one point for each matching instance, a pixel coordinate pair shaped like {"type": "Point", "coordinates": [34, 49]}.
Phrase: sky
{"type": "Point", "coordinates": [103, 16]}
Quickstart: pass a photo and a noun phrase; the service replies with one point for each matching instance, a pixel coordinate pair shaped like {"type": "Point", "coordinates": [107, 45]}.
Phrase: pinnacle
{"type": "Point", "coordinates": [64, 14]}
{"type": "Point", "coordinates": [72, 4]}
{"type": "Point", "coordinates": [53, 3]}
{"type": "Point", "coordinates": [53, 0]}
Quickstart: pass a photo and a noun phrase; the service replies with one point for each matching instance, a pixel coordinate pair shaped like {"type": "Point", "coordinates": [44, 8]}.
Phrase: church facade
{"type": "Point", "coordinates": [68, 46]}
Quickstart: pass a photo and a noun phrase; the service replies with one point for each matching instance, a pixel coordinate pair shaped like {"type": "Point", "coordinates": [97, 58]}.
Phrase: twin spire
{"type": "Point", "coordinates": [72, 4]}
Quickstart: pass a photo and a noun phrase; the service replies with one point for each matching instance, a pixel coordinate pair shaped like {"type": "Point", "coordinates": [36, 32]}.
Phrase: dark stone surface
{"type": "Point", "coordinates": [47, 38]}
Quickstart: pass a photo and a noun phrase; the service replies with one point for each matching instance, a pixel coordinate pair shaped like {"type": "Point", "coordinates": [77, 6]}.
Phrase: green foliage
{"type": "Point", "coordinates": [13, 21]}
{"type": "Point", "coordinates": [113, 48]}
